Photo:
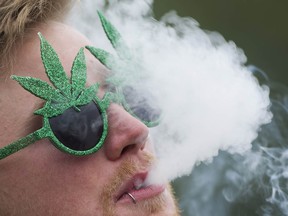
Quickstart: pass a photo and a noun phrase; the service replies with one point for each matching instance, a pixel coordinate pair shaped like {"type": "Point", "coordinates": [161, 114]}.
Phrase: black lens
{"type": "Point", "coordinates": [78, 130]}
{"type": "Point", "coordinates": [142, 104]}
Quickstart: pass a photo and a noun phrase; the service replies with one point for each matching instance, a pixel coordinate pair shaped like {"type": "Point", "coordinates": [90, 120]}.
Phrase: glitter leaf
{"type": "Point", "coordinates": [114, 37]}
{"type": "Point", "coordinates": [51, 110]}
{"type": "Point", "coordinates": [87, 95]}
{"type": "Point", "coordinates": [78, 73]}
{"type": "Point", "coordinates": [54, 68]}
{"type": "Point", "coordinates": [103, 56]}
{"type": "Point", "coordinates": [39, 88]}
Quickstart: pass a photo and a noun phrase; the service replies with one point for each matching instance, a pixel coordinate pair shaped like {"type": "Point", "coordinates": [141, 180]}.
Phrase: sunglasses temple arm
{"type": "Point", "coordinates": [22, 143]}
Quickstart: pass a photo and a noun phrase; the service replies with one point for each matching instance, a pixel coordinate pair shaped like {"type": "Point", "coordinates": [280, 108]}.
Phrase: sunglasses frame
{"type": "Point", "coordinates": [71, 93]}
{"type": "Point", "coordinates": [121, 100]}
{"type": "Point", "coordinates": [46, 132]}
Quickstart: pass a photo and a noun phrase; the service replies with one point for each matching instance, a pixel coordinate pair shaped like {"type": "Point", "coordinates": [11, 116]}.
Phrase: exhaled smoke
{"type": "Point", "coordinates": [209, 100]}
{"type": "Point", "coordinates": [254, 183]}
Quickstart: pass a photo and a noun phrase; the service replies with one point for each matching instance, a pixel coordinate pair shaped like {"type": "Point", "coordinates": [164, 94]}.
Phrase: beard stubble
{"type": "Point", "coordinates": [128, 168]}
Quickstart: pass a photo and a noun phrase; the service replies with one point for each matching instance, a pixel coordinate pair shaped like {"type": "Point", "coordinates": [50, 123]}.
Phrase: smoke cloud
{"type": "Point", "coordinates": [209, 99]}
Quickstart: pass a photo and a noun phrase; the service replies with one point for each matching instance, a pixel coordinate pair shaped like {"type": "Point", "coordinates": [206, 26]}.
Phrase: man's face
{"type": "Point", "coordinates": [41, 180]}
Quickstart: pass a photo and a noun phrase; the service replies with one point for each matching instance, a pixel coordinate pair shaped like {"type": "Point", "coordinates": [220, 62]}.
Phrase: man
{"type": "Point", "coordinates": [41, 180]}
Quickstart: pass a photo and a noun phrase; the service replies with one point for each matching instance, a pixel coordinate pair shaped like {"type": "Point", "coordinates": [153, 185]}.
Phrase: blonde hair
{"type": "Point", "coordinates": [18, 16]}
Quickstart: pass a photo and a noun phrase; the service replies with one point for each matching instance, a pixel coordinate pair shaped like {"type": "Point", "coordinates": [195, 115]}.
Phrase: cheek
{"type": "Point", "coordinates": [42, 177]}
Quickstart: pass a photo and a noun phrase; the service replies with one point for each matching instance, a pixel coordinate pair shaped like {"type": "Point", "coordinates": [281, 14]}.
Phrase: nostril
{"type": "Point", "coordinates": [126, 149]}
{"type": "Point", "coordinates": [132, 147]}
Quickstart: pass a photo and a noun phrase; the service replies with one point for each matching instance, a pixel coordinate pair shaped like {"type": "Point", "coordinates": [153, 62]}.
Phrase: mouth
{"type": "Point", "coordinates": [137, 188]}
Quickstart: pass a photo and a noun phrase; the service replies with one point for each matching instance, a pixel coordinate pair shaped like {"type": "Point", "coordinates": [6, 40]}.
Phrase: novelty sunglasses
{"type": "Point", "coordinates": [74, 117]}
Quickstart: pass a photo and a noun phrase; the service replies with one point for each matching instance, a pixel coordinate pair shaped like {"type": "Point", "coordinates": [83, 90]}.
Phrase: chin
{"type": "Point", "coordinates": [161, 203]}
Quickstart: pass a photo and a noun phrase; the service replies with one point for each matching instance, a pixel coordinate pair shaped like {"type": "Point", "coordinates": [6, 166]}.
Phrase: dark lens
{"type": "Point", "coordinates": [142, 104]}
{"type": "Point", "coordinates": [78, 130]}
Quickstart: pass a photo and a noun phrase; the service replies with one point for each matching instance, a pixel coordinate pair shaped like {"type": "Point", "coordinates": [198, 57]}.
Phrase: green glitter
{"type": "Point", "coordinates": [54, 68]}
{"type": "Point", "coordinates": [115, 38]}
{"type": "Point", "coordinates": [73, 93]}
{"type": "Point", "coordinates": [125, 62]}
{"type": "Point", "coordinates": [104, 57]}
{"type": "Point", "coordinates": [65, 95]}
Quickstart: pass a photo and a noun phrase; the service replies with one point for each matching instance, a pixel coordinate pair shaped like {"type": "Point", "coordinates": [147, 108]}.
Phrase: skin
{"type": "Point", "coordinates": [40, 179]}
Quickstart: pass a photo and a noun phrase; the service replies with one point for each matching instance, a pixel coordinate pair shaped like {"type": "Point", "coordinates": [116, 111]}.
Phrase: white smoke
{"type": "Point", "coordinates": [254, 183]}
{"type": "Point", "coordinates": [210, 100]}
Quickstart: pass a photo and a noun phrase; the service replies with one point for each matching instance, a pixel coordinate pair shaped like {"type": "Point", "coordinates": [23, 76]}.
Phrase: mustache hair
{"type": "Point", "coordinates": [127, 169]}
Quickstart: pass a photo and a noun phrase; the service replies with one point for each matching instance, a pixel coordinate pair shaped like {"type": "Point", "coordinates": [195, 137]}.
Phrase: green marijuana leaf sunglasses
{"type": "Point", "coordinates": [74, 118]}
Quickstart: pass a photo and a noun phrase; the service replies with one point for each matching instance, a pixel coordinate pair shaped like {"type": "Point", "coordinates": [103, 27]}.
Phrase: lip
{"type": "Point", "coordinates": [145, 192]}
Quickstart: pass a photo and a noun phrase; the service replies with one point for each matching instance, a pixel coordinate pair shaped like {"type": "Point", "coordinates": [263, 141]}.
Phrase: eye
{"type": "Point", "coordinates": [142, 105]}
{"type": "Point", "coordinates": [78, 130]}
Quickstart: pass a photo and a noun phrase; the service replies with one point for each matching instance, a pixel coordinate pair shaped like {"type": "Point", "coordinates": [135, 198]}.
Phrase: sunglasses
{"type": "Point", "coordinates": [74, 117]}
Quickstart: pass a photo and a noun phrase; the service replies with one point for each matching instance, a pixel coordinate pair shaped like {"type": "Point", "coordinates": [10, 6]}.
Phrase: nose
{"type": "Point", "coordinates": [126, 134]}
